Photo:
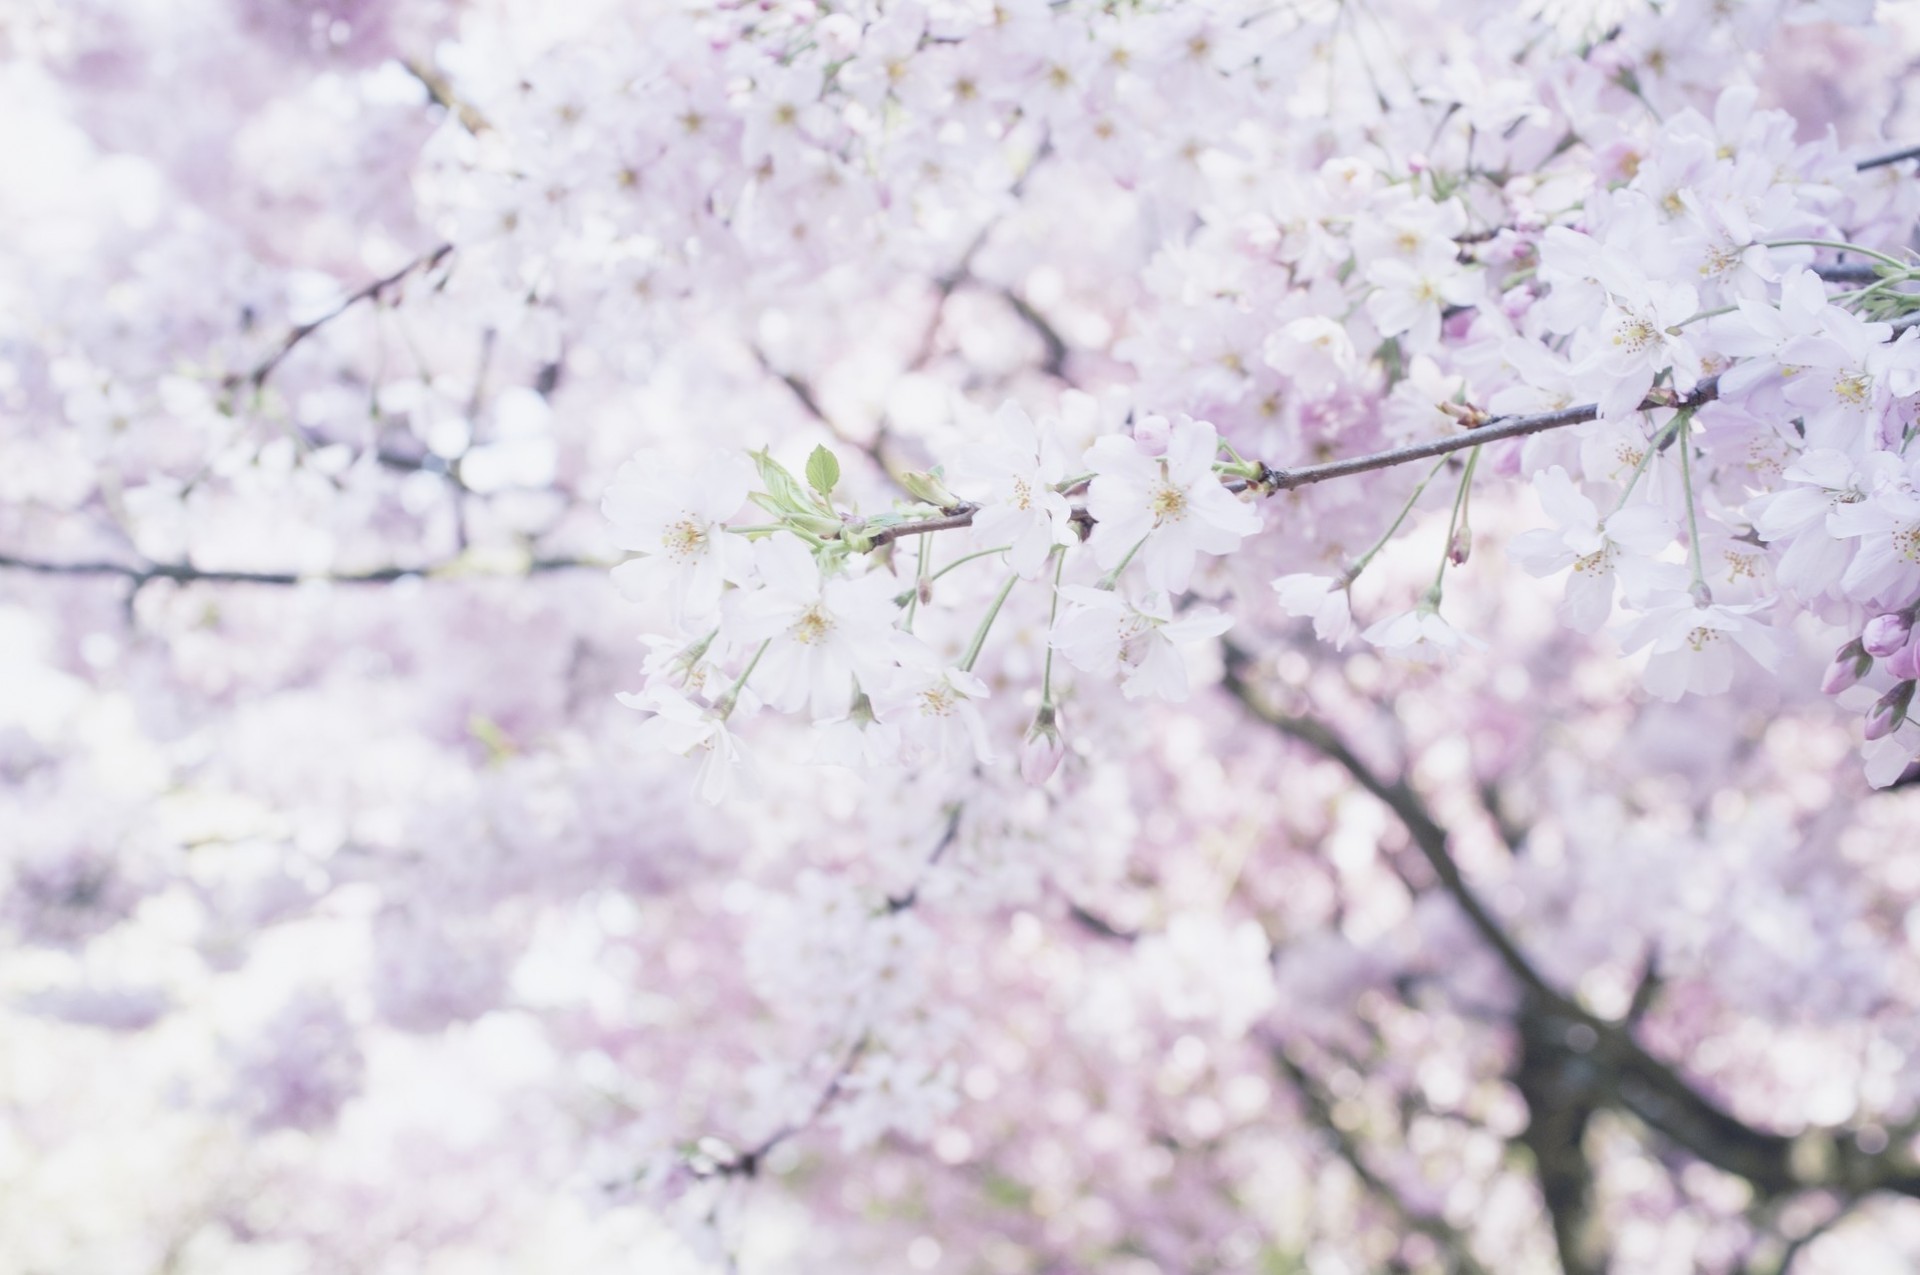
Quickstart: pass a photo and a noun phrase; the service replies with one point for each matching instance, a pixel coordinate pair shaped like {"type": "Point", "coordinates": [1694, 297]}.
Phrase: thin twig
{"type": "Point", "coordinates": [140, 574]}
{"type": "Point", "coordinates": [425, 261]}
{"type": "Point", "coordinates": [1891, 157]}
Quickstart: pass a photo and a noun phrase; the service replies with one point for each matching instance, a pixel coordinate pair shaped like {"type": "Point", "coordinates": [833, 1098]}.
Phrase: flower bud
{"type": "Point", "coordinates": [1850, 663]}
{"type": "Point", "coordinates": [1886, 634]}
{"type": "Point", "coordinates": [1904, 663]}
{"type": "Point", "coordinates": [1462, 546]}
{"type": "Point", "coordinates": [922, 485]}
{"type": "Point", "coordinates": [1150, 434]}
{"type": "Point", "coordinates": [1889, 711]}
{"type": "Point", "coordinates": [1041, 753]}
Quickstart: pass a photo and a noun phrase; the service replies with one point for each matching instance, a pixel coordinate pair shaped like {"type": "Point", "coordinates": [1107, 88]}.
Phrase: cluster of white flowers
{"type": "Point", "coordinates": [1741, 455]}
{"type": "Point", "coordinates": [812, 613]}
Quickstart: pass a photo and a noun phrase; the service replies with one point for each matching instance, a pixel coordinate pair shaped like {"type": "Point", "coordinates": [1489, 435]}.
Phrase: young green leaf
{"type": "Point", "coordinates": [823, 471]}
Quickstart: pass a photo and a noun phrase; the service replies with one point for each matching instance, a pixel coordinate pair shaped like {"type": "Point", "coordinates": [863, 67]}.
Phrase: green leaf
{"type": "Point", "coordinates": [823, 471]}
{"type": "Point", "coordinates": [787, 494]}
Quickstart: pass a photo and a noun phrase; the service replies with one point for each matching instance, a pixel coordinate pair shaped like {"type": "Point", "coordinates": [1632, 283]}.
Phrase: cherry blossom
{"type": "Point", "coordinates": [1170, 509]}
{"type": "Point", "coordinates": [1104, 633]}
{"type": "Point", "coordinates": [1594, 548]}
{"type": "Point", "coordinates": [674, 636]}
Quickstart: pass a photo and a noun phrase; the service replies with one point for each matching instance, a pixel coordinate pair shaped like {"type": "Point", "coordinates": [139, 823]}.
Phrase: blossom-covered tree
{"type": "Point", "coordinates": [960, 636]}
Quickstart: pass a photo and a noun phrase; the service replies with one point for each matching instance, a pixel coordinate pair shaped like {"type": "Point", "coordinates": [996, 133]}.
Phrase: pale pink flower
{"type": "Point", "coordinates": [678, 521]}
{"type": "Point", "coordinates": [1420, 635]}
{"type": "Point", "coordinates": [1693, 646]}
{"type": "Point", "coordinates": [1102, 633]}
{"type": "Point", "coordinates": [1322, 598]}
{"type": "Point", "coordinates": [1011, 474]}
{"type": "Point", "coordinates": [1596, 549]}
{"type": "Point", "coordinates": [1175, 504]}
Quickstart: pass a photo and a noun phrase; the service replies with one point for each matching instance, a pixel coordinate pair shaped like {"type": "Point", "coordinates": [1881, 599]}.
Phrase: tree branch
{"type": "Point", "coordinates": [145, 573]}
{"type": "Point", "coordinates": [1624, 1074]}
{"type": "Point", "coordinates": [1319, 1110]}
{"type": "Point", "coordinates": [256, 378]}
{"type": "Point", "coordinates": [1890, 157]}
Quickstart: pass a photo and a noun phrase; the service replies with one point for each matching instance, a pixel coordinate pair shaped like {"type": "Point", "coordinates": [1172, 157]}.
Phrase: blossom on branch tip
{"type": "Point", "coordinates": [821, 632]}
{"type": "Point", "coordinates": [1011, 475]}
{"type": "Point", "coordinates": [1173, 507]}
{"type": "Point", "coordinates": [678, 523]}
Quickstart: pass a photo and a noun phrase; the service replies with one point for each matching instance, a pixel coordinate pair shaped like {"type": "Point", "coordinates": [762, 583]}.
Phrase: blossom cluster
{"type": "Point", "coordinates": [1233, 600]}
{"type": "Point", "coordinates": [1745, 423]}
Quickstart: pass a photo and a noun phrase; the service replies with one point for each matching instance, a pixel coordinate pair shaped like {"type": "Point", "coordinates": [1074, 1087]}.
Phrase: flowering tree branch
{"type": "Point", "coordinates": [1614, 1069]}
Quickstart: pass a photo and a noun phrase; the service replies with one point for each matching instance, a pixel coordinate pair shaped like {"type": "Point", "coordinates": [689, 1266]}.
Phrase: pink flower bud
{"type": "Point", "coordinates": [1150, 434]}
{"type": "Point", "coordinates": [1850, 663]}
{"type": "Point", "coordinates": [1904, 663]}
{"type": "Point", "coordinates": [1889, 711]}
{"type": "Point", "coordinates": [1462, 547]}
{"type": "Point", "coordinates": [1886, 634]}
{"type": "Point", "coordinates": [1040, 755]}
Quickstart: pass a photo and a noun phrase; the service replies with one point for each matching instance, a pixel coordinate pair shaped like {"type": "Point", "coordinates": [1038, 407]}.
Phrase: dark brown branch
{"type": "Point", "coordinates": [1625, 1075]}
{"type": "Point", "coordinates": [1095, 924]}
{"type": "Point", "coordinates": [1848, 271]}
{"type": "Point", "coordinates": [960, 515]}
{"type": "Point", "coordinates": [948, 835]}
{"type": "Point", "coordinates": [1556, 1081]}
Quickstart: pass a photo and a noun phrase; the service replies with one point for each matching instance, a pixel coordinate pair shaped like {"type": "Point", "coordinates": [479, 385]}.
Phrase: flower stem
{"type": "Point", "coordinates": [1053, 614]}
{"type": "Point", "coordinates": [724, 709]}
{"type": "Point", "coordinates": [1360, 563]}
{"type": "Point", "coordinates": [1701, 594]}
{"type": "Point", "coordinates": [1113, 577]}
{"type": "Point", "coordinates": [1453, 524]}
{"type": "Point", "coordinates": [1837, 247]}
{"type": "Point", "coordinates": [986, 623]}
{"type": "Point", "coordinates": [920, 581]}
{"type": "Point", "coordinates": [1654, 445]}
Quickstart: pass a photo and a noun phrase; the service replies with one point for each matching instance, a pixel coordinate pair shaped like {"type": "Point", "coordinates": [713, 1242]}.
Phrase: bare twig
{"type": "Point", "coordinates": [746, 1164]}
{"type": "Point", "coordinates": [1890, 157]}
{"type": "Point", "coordinates": [140, 574]}
{"type": "Point", "coordinates": [425, 261]}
